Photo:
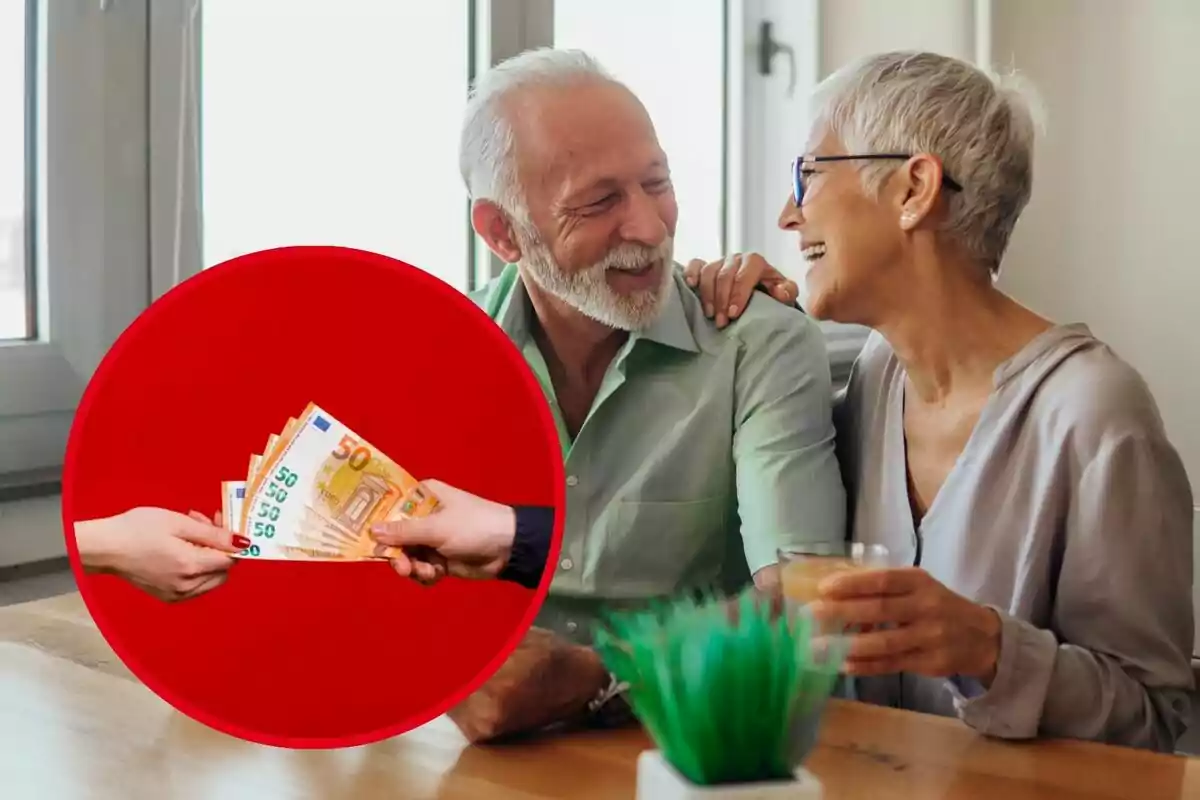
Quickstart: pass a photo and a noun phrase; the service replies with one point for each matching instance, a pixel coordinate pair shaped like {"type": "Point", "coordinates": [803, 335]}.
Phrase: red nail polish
{"type": "Point", "coordinates": [241, 541]}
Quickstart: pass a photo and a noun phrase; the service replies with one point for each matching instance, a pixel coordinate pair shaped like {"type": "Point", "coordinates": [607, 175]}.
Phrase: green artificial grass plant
{"type": "Point", "coordinates": [729, 691]}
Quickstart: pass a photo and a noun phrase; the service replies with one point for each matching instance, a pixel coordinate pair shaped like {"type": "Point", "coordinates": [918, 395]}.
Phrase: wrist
{"type": "Point", "coordinates": [503, 531]}
{"type": "Point", "coordinates": [599, 676]}
{"type": "Point", "coordinates": [533, 528]}
{"type": "Point", "coordinates": [991, 627]}
{"type": "Point", "coordinates": [94, 541]}
{"type": "Point", "coordinates": [607, 706]}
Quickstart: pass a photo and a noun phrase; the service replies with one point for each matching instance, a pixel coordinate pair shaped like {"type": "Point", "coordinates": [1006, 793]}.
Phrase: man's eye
{"type": "Point", "coordinates": [601, 204]}
{"type": "Point", "coordinates": [660, 185]}
{"type": "Point", "coordinates": [807, 171]}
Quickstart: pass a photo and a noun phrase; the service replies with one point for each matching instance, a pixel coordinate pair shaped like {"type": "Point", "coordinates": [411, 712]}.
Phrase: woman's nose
{"type": "Point", "coordinates": [792, 217]}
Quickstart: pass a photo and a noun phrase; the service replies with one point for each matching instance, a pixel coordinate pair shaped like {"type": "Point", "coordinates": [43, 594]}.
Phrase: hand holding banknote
{"type": "Point", "coordinates": [473, 537]}
{"type": "Point", "coordinates": [470, 537]}
{"type": "Point", "coordinates": [169, 555]}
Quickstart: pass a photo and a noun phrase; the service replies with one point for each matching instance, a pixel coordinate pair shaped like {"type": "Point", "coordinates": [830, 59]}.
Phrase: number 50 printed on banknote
{"type": "Point", "coordinates": [316, 491]}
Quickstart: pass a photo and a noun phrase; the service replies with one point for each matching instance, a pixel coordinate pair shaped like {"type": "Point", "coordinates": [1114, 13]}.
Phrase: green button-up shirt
{"type": "Point", "coordinates": [704, 451]}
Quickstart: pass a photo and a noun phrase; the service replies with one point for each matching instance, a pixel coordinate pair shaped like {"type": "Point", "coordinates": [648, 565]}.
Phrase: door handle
{"type": "Point", "coordinates": [769, 47]}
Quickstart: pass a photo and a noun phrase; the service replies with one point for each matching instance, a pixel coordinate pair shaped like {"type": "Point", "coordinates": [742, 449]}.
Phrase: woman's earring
{"type": "Point", "coordinates": [907, 219]}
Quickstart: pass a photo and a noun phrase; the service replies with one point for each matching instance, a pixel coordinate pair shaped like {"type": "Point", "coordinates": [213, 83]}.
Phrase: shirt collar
{"type": "Point", "coordinates": [671, 329]}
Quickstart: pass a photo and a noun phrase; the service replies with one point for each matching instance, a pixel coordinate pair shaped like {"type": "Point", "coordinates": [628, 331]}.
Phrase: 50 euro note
{"type": "Point", "coordinates": [317, 491]}
{"type": "Point", "coordinates": [306, 543]}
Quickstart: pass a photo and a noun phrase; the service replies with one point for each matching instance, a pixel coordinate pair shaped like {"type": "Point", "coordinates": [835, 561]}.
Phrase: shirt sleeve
{"type": "Point", "coordinates": [789, 485]}
{"type": "Point", "coordinates": [1116, 664]}
{"type": "Point", "coordinates": [531, 546]}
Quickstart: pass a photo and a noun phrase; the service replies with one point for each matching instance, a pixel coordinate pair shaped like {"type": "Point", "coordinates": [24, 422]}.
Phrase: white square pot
{"type": "Point", "coordinates": [658, 780]}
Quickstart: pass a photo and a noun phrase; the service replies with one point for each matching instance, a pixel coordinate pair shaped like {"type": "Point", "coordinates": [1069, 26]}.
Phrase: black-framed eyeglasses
{"type": "Point", "coordinates": [798, 165]}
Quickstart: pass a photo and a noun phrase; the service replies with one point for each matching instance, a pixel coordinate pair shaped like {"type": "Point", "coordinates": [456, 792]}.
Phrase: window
{"type": "Point", "coordinates": [67, 70]}
{"type": "Point", "coordinates": [17, 49]}
{"type": "Point", "coordinates": [335, 123]}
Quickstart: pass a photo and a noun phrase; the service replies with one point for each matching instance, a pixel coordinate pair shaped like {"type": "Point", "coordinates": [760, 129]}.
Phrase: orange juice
{"type": "Point", "coordinates": [803, 569]}
{"type": "Point", "coordinates": [800, 576]}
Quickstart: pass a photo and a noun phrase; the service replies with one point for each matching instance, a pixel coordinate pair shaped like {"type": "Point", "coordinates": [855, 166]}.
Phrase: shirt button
{"type": "Point", "coordinates": [566, 563]}
{"type": "Point", "coordinates": [571, 626]}
{"type": "Point", "coordinates": [572, 480]}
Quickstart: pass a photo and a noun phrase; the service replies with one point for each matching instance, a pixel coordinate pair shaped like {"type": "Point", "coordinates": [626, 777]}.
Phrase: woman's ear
{"type": "Point", "coordinates": [922, 183]}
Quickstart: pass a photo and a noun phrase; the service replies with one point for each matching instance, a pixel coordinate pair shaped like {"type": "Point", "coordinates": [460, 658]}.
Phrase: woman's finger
{"type": "Point", "coordinates": [708, 287]}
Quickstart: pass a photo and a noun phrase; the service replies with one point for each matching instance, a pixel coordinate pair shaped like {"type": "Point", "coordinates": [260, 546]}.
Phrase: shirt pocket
{"type": "Point", "coordinates": [656, 548]}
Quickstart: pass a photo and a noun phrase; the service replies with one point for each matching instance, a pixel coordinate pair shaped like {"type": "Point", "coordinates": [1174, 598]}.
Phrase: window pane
{"type": "Point", "coordinates": [673, 59]}
{"type": "Point", "coordinates": [335, 123]}
{"type": "Point", "coordinates": [14, 288]}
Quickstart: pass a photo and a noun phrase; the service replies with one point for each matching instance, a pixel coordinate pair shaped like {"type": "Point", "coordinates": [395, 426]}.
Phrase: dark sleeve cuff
{"type": "Point", "coordinates": [531, 546]}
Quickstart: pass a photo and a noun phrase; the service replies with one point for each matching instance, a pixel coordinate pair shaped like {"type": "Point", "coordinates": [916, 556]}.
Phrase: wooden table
{"type": "Point", "coordinates": [75, 724]}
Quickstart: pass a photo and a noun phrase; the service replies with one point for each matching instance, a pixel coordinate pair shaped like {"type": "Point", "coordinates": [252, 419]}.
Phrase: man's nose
{"type": "Point", "coordinates": [643, 221]}
{"type": "Point", "coordinates": [792, 216]}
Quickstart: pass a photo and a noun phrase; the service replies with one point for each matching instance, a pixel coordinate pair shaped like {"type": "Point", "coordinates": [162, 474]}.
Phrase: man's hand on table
{"type": "Point", "coordinates": [546, 680]}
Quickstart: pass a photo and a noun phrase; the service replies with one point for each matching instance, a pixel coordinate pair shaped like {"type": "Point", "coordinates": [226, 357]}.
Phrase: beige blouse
{"type": "Point", "coordinates": [1069, 512]}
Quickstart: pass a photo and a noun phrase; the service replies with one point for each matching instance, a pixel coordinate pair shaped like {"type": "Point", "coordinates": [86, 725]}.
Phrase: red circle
{"type": "Point", "coordinates": [299, 654]}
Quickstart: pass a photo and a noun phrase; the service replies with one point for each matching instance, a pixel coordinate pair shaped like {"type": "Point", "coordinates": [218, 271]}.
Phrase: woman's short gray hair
{"type": "Point", "coordinates": [486, 147]}
{"type": "Point", "coordinates": [981, 125]}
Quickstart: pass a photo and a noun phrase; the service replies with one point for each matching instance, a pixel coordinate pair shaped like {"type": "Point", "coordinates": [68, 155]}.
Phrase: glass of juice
{"type": "Point", "coordinates": [803, 568]}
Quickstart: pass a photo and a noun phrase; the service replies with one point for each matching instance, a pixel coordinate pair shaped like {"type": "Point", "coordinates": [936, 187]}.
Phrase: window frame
{"type": "Point", "coordinates": [175, 224]}
{"type": "Point", "coordinates": [89, 254]}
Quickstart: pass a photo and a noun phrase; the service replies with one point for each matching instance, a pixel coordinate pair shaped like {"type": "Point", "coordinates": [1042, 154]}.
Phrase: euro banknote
{"type": "Point", "coordinates": [316, 490]}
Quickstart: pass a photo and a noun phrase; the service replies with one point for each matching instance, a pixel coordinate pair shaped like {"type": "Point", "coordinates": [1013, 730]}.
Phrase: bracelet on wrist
{"type": "Point", "coordinates": [609, 708]}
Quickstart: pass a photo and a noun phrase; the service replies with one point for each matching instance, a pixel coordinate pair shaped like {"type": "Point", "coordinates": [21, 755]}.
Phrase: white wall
{"type": "Point", "coordinates": [852, 29]}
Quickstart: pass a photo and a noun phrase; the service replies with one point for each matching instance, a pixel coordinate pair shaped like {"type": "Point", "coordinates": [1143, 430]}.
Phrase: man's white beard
{"type": "Point", "coordinates": [588, 292]}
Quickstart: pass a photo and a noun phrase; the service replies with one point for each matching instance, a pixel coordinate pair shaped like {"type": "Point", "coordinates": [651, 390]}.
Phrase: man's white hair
{"type": "Point", "coordinates": [486, 147]}
{"type": "Point", "coordinates": [981, 125]}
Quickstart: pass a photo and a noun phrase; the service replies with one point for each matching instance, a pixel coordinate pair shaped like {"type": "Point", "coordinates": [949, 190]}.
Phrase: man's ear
{"type": "Point", "coordinates": [493, 226]}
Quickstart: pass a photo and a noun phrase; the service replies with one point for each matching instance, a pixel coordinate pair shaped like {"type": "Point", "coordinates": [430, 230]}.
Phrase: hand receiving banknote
{"type": "Point", "coordinates": [171, 556]}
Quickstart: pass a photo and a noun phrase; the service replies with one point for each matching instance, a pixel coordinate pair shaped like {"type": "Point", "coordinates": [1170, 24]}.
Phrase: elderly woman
{"type": "Point", "coordinates": [1018, 465]}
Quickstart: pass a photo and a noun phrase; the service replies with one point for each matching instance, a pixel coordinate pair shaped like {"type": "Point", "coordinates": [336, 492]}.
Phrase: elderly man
{"type": "Point", "coordinates": [678, 434]}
